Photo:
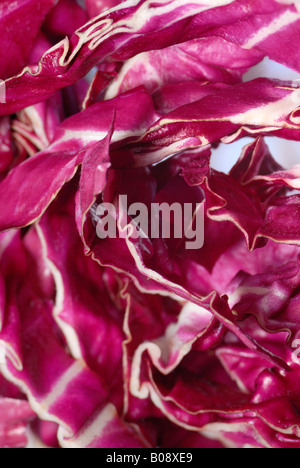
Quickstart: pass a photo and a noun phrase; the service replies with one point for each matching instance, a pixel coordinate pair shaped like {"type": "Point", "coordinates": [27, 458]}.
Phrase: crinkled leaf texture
{"type": "Point", "coordinates": [129, 342]}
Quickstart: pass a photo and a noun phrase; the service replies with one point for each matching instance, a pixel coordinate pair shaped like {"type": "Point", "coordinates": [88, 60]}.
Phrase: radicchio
{"type": "Point", "coordinates": [138, 341]}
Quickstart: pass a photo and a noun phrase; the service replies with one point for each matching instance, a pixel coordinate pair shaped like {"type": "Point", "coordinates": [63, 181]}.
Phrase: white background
{"type": "Point", "coordinates": [286, 152]}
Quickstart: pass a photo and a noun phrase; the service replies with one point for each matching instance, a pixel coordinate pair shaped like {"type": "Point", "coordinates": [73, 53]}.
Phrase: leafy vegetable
{"type": "Point", "coordinates": [139, 341]}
